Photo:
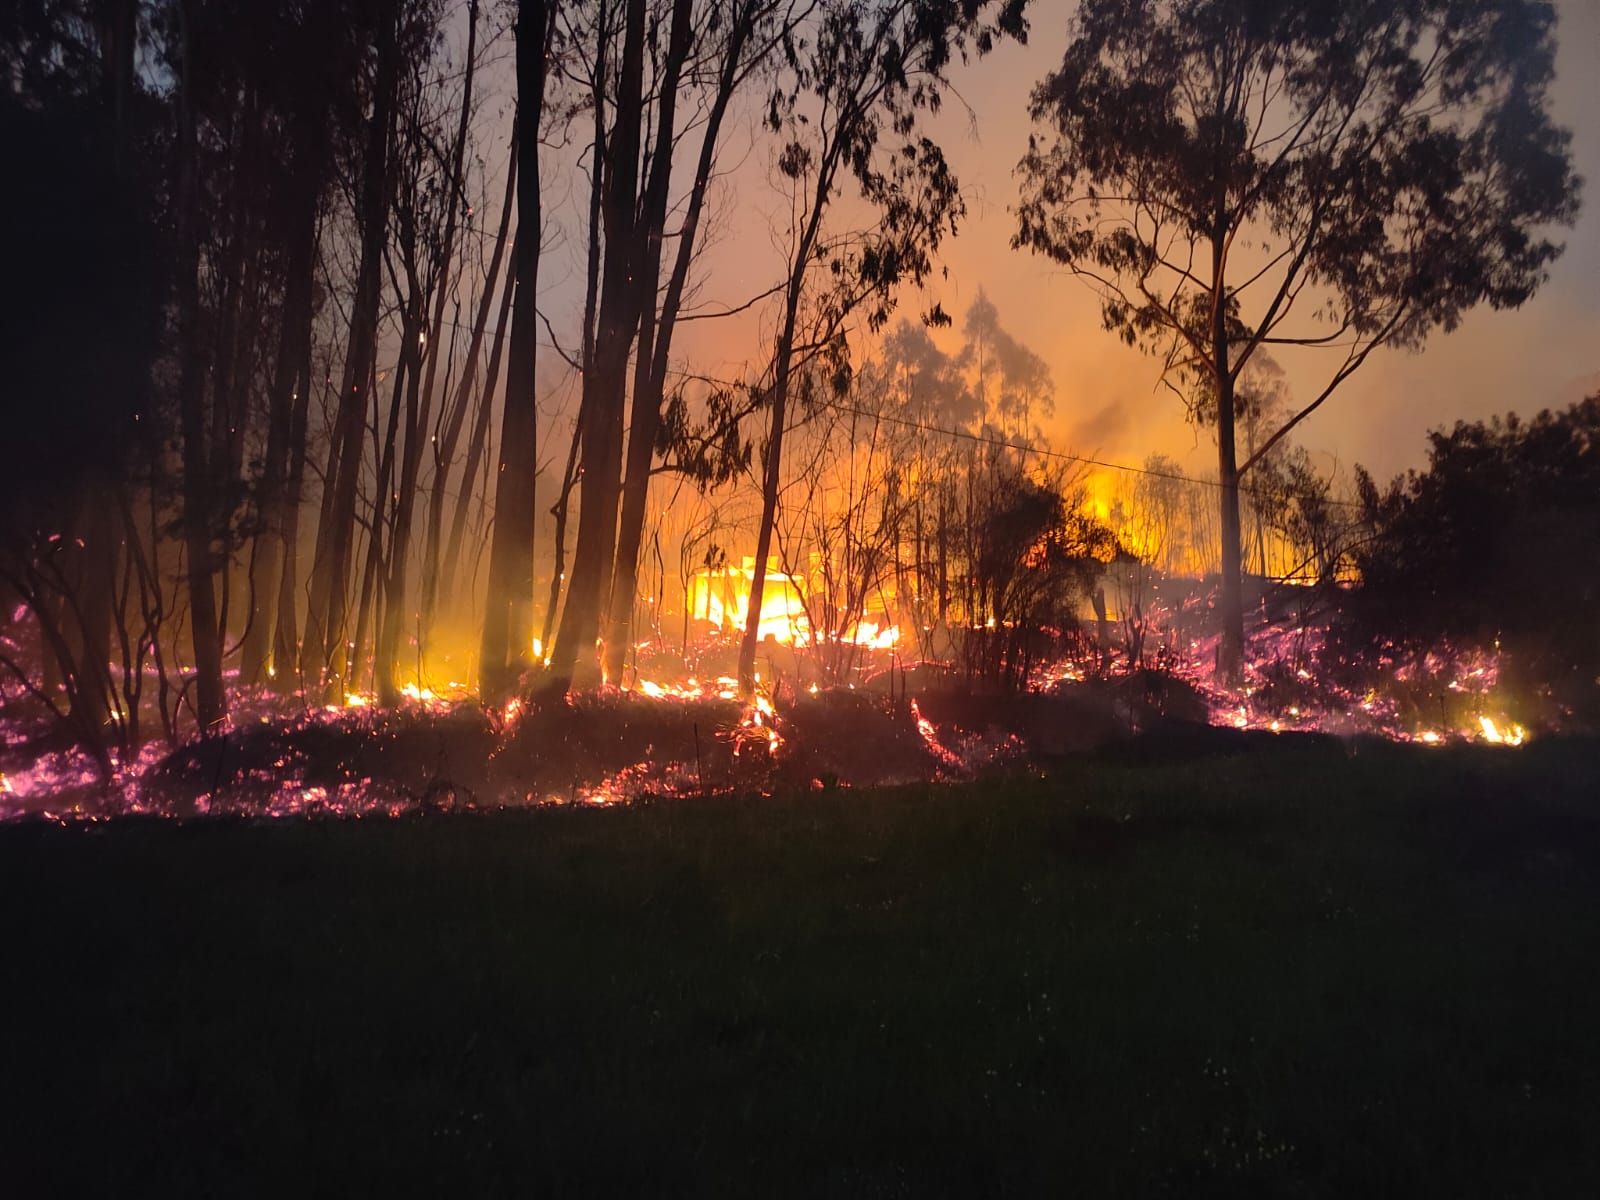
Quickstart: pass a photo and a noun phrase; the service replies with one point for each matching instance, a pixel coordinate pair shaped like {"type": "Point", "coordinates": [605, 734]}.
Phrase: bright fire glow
{"type": "Point", "coordinates": [721, 598]}
{"type": "Point", "coordinates": [1512, 735]}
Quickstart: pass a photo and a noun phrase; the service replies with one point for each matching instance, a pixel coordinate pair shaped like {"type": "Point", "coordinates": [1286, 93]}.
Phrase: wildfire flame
{"type": "Point", "coordinates": [930, 737]}
{"type": "Point", "coordinates": [1512, 735]}
{"type": "Point", "coordinates": [758, 727]}
{"type": "Point", "coordinates": [721, 597]}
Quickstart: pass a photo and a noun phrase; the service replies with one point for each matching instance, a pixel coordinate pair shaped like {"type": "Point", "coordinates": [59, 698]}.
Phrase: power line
{"type": "Point", "coordinates": [1043, 452]}
{"type": "Point", "coordinates": [1006, 444]}
{"type": "Point", "coordinates": [968, 435]}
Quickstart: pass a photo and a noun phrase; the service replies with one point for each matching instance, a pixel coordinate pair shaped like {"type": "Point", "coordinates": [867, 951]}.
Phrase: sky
{"type": "Point", "coordinates": [1108, 400]}
{"type": "Point", "coordinates": [1545, 354]}
{"type": "Point", "coordinates": [1109, 403]}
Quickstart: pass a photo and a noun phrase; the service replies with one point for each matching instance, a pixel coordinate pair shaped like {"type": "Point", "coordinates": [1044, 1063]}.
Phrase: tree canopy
{"type": "Point", "coordinates": [1232, 176]}
{"type": "Point", "coordinates": [1492, 544]}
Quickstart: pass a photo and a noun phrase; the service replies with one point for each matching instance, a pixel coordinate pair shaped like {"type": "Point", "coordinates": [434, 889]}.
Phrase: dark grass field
{"type": "Point", "coordinates": [1290, 972]}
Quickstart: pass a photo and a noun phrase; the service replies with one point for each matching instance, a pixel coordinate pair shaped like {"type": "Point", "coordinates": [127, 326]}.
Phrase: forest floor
{"type": "Point", "coordinates": [1311, 969]}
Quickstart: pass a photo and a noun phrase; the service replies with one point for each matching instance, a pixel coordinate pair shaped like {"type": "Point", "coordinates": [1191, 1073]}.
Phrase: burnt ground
{"type": "Point", "coordinates": [613, 745]}
{"type": "Point", "coordinates": [1310, 968]}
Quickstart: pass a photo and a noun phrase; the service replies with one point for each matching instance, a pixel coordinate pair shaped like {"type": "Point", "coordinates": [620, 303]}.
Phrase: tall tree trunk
{"type": "Point", "coordinates": [508, 614]}
{"type": "Point", "coordinates": [93, 604]}
{"type": "Point", "coordinates": [783, 363]}
{"type": "Point", "coordinates": [558, 537]}
{"type": "Point", "coordinates": [655, 340]}
{"type": "Point", "coordinates": [401, 395]}
{"type": "Point", "coordinates": [325, 648]}
{"type": "Point", "coordinates": [419, 415]}
{"type": "Point", "coordinates": [1230, 593]}
{"type": "Point", "coordinates": [561, 510]}
{"type": "Point", "coordinates": [210, 700]}
{"type": "Point", "coordinates": [273, 549]}
{"type": "Point", "coordinates": [119, 39]}
{"type": "Point", "coordinates": [575, 655]}
{"type": "Point", "coordinates": [644, 419]}
{"type": "Point", "coordinates": [478, 444]}
{"type": "Point", "coordinates": [771, 477]}
{"type": "Point", "coordinates": [454, 419]}
{"type": "Point", "coordinates": [286, 635]}
{"type": "Point", "coordinates": [118, 35]}
{"type": "Point", "coordinates": [394, 607]}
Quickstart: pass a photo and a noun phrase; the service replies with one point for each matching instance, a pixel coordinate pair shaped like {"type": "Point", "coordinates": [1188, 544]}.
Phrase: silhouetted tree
{"type": "Point", "coordinates": [860, 83]}
{"type": "Point", "coordinates": [1232, 177]}
{"type": "Point", "coordinates": [735, 43]}
{"type": "Point", "coordinates": [508, 617]}
{"type": "Point", "coordinates": [1492, 545]}
{"type": "Point", "coordinates": [82, 336]}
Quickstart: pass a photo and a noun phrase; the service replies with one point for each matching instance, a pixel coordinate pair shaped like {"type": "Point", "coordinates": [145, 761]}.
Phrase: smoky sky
{"type": "Point", "coordinates": [1108, 398]}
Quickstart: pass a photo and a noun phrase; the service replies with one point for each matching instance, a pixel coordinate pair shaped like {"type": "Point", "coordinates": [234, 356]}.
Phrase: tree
{"type": "Point", "coordinates": [325, 647]}
{"type": "Point", "coordinates": [438, 235]}
{"type": "Point", "coordinates": [627, 192]}
{"type": "Point", "coordinates": [508, 615]}
{"type": "Point", "coordinates": [859, 86]}
{"type": "Point", "coordinates": [1232, 177]}
{"type": "Point", "coordinates": [751, 32]}
{"type": "Point", "coordinates": [1490, 546]}
{"type": "Point", "coordinates": [314, 108]}
{"type": "Point", "coordinates": [81, 331]}
{"type": "Point", "coordinates": [1010, 382]}
{"type": "Point", "coordinates": [211, 704]}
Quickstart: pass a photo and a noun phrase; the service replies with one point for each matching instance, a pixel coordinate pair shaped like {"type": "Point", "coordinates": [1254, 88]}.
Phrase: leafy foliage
{"type": "Point", "coordinates": [1231, 177]}
{"type": "Point", "coordinates": [1398, 157]}
{"type": "Point", "coordinates": [1493, 544]}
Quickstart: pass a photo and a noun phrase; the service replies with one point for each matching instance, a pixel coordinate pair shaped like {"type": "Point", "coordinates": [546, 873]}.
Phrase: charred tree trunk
{"type": "Point", "coordinates": [210, 700]}
{"type": "Point", "coordinates": [478, 444]}
{"type": "Point", "coordinates": [286, 633]}
{"type": "Point", "coordinates": [508, 614]}
{"type": "Point", "coordinates": [1230, 599]}
{"type": "Point", "coordinates": [274, 548]}
{"type": "Point", "coordinates": [419, 409]}
{"type": "Point", "coordinates": [561, 510]}
{"type": "Point", "coordinates": [770, 480]}
{"type": "Point", "coordinates": [558, 537]}
{"type": "Point", "coordinates": [325, 648]}
{"type": "Point", "coordinates": [385, 655]}
{"type": "Point", "coordinates": [402, 394]}
{"type": "Point", "coordinates": [454, 418]}
{"type": "Point", "coordinates": [655, 336]}
{"type": "Point", "coordinates": [575, 657]}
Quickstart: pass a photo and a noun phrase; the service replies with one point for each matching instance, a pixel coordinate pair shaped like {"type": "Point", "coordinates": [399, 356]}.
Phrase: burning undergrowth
{"type": "Point", "coordinates": [282, 757]}
{"type": "Point", "coordinates": [1304, 673]}
{"type": "Point", "coordinates": [601, 747]}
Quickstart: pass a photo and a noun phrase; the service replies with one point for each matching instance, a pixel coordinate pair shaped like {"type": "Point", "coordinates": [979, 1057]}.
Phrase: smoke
{"type": "Point", "coordinates": [1101, 428]}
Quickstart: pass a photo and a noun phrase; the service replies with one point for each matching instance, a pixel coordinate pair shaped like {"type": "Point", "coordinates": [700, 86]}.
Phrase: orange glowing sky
{"type": "Point", "coordinates": [1108, 403]}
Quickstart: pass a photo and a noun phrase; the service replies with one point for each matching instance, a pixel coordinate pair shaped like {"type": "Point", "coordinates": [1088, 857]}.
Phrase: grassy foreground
{"type": "Point", "coordinates": [1298, 971]}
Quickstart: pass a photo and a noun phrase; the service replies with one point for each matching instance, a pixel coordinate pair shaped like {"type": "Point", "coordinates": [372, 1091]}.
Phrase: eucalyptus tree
{"type": "Point", "coordinates": [861, 81]}
{"type": "Point", "coordinates": [82, 338]}
{"type": "Point", "coordinates": [438, 210]}
{"type": "Point", "coordinates": [508, 615]}
{"type": "Point", "coordinates": [737, 41]}
{"type": "Point", "coordinates": [1233, 177]}
{"type": "Point", "coordinates": [325, 645]}
{"type": "Point", "coordinates": [317, 109]}
{"type": "Point", "coordinates": [622, 185]}
{"type": "Point", "coordinates": [667, 88]}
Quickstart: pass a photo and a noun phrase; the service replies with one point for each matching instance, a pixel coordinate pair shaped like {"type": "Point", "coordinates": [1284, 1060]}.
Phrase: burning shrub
{"type": "Point", "coordinates": [1038, 556]}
